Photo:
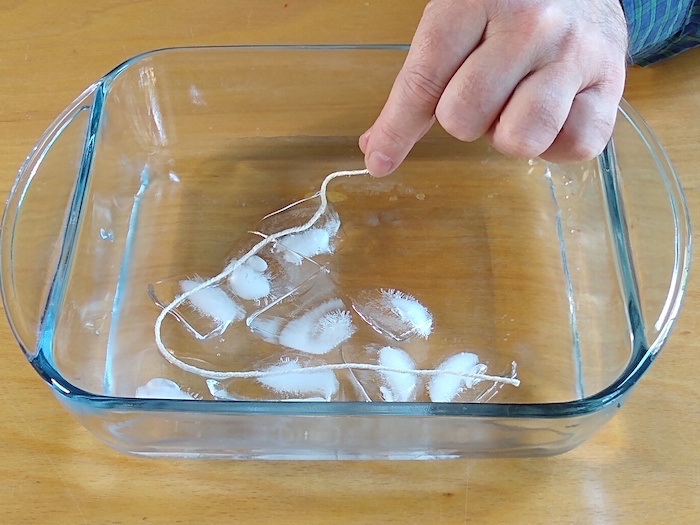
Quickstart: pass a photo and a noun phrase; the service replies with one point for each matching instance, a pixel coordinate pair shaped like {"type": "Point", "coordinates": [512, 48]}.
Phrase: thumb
{"type": "Point", "coordinates": [406, 117]}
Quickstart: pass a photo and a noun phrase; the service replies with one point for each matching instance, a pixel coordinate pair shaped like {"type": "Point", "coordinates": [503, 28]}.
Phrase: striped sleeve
{"type": "Point", "coordinates": [660, 29]}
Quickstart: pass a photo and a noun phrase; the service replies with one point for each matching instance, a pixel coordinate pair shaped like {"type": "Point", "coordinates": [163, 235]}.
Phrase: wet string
{"type": "Point", "coordinates": [231, 267]}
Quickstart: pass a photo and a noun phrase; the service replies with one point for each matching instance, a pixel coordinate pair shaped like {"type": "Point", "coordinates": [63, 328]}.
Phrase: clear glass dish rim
{"type": "Point", "coordinates": [613, 393]}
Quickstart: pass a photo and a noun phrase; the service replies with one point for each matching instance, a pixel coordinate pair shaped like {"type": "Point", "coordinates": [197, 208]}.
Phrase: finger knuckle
{"type": "Point", "coordinates": [588, 151]}
{"type": "Point", "coordinates": [397, 137]}
{"type": "Point", "coordinates": [583, 149]}
{"type": "Point", "coordinates": [551, 17]}
{"type": "Point", "coordinates": [454, 120]}
{"type": "Point", "coordinates": [603, 126]}
{"type": "Point", "coordinates": [530, 20]}
{"type": "Point", "coordinates": [524, 144]}
{"type": "Point", "coordinates": [419, 83]}
{"type": "Point", "coordinates": [463, 112]}
{"type": "Point", "coordinates": [543, 18]}
{"type": "Point", "coordinates": [588, 144]}
{"type": "Point", "coordinates": [532, 135]}
{"type": "Point", "coordinates": [544, 116]}
{"type": "Point", "coordinates": [611, 76]}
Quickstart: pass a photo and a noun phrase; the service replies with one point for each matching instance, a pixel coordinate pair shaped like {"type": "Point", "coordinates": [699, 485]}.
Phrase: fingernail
{"type": "Point", "coordinates": [379, 164]}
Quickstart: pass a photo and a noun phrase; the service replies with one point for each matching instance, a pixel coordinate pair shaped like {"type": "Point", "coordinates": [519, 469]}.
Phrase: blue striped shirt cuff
{"type": "Point", "coordinates": [659, 29]}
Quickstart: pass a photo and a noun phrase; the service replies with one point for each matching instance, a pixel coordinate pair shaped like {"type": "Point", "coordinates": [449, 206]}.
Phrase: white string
{"type": "Point", "coordinates": [288, 206]}
{"type": "Point", "coordinates": [254, 374]}
{"type": "Point", "coordinates": [228, 270]}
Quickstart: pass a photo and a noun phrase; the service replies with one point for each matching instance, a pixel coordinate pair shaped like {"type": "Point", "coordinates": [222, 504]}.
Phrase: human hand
{"type": "Point", "coordinates": [538, 78]}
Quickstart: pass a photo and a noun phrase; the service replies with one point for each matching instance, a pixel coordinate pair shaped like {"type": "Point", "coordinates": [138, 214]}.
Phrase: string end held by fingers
{"type": "Point", "coordinates": [379, 164]}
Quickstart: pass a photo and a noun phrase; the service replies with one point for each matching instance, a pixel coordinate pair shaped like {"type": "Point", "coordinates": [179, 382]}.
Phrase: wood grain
{"type": "Point", "coordinates": [643, 467]}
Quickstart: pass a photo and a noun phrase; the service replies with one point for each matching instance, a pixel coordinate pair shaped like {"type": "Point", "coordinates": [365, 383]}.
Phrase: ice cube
{"type": "Point", "coordinates": [319, 330]}
{"type": "Point", "coordinates": [267, 328]}
{"type": "Point", "coordinates": [314, 321]}
{"type": "Point", "coordinates": [393, 313]}
{"type": "Point", "coordinates": [317, 240]}
{"type": "Point", "coordinates": [256, 263]}
{"type": "Point", "coordinates": [322, 238]}
{"type": "Point", "coordinates": [322, 383]}
{"type": "Point", "coordinates": [444, 388]}
{"type": "Point", "coordinates": [284, 379]}
{"type": "Point", "coordinates": [212, 302]}
{"type": "Point", "coordinates": [390, 386]}
{"type": "Point", "coordinates": [206, 313]}
{"type": "Point", "coordinates": [266, 277]}
{"type": "Point", "coordinates": [218, 391]}
{"type": "Point", "coordinates": [248, 281]}
{"type": "Point", "coordinates": [397, 386]}
{"type": "Point", "coordinates": [161, 388]}
{"type": "Point", "coordinates": [297, 246]}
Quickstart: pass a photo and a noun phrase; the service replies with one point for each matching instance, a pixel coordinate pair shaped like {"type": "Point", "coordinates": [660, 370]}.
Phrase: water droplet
{"type": "Point", "coordinates": [420, 196]}
{"type": "Point", "coordinates": [107, 234]}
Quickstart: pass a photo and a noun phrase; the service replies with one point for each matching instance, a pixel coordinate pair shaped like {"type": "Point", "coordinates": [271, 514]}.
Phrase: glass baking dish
{"type": "Point", "coordinates": [564, 279]}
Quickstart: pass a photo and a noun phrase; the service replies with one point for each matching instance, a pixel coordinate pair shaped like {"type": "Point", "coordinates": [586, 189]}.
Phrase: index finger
{"type": "Point", "coordinates": [447, 33]}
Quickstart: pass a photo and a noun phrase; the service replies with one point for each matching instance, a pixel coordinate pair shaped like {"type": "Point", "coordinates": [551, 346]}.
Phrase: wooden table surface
{"type": "Point", "coordinates": [642, 467]}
